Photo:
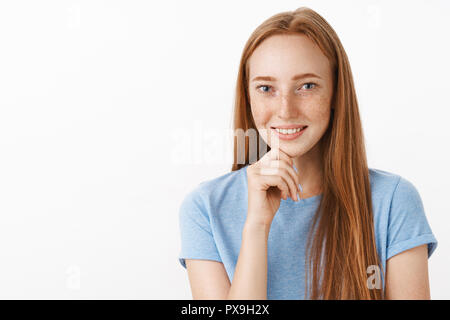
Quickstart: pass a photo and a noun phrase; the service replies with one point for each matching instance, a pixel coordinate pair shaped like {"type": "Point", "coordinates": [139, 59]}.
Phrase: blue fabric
{"type": "Point", "coordinates": [212, 216]}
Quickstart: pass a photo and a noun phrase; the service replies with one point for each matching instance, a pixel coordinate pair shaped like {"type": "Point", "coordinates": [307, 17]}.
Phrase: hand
{"type": "Point", "coordinates": [270, 179]}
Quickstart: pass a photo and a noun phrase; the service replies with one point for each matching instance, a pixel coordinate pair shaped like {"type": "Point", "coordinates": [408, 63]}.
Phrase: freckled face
{"type": "Point", "coordinates": [281, 100]}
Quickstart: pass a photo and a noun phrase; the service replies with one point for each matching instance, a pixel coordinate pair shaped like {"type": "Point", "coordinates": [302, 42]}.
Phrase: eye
{"type": "Point", "coordinates": [263, 86]}
{"type": "Point", "coordinates": [309, 84]}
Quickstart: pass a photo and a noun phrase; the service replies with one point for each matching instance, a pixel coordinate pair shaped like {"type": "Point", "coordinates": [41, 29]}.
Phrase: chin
{"type": "Point", "coordinates": [292, 151]}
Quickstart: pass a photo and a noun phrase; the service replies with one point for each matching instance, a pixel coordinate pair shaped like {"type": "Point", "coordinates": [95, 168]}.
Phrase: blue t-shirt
{"type": "Point", "coordinates": [212, 216]}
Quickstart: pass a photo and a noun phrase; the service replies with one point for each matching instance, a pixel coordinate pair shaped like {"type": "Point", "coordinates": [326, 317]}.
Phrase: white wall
{"type": "Point", "coordinates": [93, 95]}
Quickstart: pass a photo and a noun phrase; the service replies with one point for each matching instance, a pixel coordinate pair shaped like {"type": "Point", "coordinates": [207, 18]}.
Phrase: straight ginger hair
{"type": "Point", "coordinates": [343, 246]}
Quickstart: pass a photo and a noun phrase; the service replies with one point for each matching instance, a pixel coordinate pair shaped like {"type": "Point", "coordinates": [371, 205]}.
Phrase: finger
{"type": "Point", "coordinates": [278, 154]}
{"type": "Point", "coordinates": [284, 156]}
{"type": "Point", "coordinates": [284, 174]}
{"type": "Point", "coordinates": [291, 171]}
{"type": "Point", "coordinates": [268, 181]}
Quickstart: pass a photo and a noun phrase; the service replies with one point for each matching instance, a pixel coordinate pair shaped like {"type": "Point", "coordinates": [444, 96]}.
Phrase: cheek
{"type": "Point", "coordinates": [261, 114]}
{"type": "Point", "coordinates": [319, 109]}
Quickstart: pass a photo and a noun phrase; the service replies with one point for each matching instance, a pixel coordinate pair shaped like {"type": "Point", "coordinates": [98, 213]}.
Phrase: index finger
{"type": "Point", "coordinates": [278, 154]}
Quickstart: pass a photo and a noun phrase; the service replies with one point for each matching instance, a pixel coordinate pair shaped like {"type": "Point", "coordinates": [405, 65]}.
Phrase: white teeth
{"type": "Point", "coordinates": [288, 131]}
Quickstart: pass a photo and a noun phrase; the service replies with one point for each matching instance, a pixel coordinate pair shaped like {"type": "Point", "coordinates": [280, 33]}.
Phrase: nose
{"type": "Point", "coordinates": [287, 109]}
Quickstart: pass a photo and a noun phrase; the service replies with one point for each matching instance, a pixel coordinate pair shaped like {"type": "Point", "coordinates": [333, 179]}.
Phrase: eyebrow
{"type": "Point", "coordinates": [296, 77]}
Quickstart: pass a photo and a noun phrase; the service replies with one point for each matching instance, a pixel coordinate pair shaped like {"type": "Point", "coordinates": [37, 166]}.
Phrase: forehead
{"type": "Point", "coordinates": [283, 56]}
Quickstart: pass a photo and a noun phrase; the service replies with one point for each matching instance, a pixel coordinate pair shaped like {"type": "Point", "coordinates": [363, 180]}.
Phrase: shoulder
{"type": "Point", "coordinates": [397, 201]}
{"type": "Point", "coordinates": [400, 213]}
{"type": "Point", "coordinates": [381, 179]}
{"type": "Point", "coordinates": [224, 183]}
{"type": "Point", "coordinates": [210, 193]}
{"type": "Point", "coordinates": [391, 186]}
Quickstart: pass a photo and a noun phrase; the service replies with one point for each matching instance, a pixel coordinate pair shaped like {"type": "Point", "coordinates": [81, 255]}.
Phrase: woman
{"type": "Point", "coordinates": [356, 232]}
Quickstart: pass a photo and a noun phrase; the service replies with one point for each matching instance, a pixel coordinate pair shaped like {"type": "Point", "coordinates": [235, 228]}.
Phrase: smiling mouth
{"type": "Point", "coordinates": [288, 131]}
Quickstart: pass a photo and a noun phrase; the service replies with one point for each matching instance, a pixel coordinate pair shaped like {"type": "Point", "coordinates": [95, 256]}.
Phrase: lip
{"type": "Point", "coordinates": [291, 136]}
{"type": "Point", "coordinates": [289, 126]}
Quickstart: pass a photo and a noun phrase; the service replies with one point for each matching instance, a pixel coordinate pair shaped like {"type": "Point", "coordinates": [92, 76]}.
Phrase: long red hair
{"type": "Point", "coordinates": [341, 242]}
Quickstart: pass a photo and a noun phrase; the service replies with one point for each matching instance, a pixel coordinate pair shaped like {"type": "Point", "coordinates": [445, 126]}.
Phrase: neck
{"type": "Point", "coordinates": [309, 170]}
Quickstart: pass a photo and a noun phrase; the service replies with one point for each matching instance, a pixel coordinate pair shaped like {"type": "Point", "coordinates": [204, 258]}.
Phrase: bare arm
{"type": "Point", "coordinates": [209, 280]}
{"type": "Point", "coordinates": [250, 276]}
{"type": "Point", "coordinates": [407, 275]}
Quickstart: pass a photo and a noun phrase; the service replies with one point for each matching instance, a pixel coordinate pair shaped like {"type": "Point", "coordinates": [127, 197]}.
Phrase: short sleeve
{"type": "Point", "coordinates": [408, 226]}
{"type": "Point", "coordinates": [197, 241]}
